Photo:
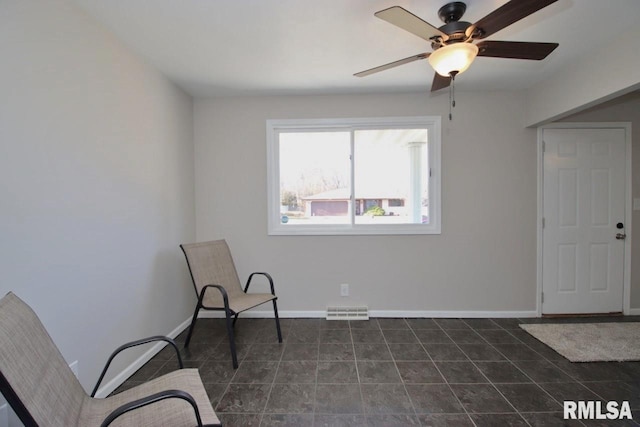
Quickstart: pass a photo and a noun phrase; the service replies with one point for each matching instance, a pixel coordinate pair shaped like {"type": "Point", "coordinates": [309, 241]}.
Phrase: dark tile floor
{"type": "Point", "coordinates": [395, 372]}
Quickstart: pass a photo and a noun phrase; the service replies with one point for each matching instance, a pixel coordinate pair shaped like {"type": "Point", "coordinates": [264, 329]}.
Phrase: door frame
{"type": "Point", "coordinates": [626, 299]}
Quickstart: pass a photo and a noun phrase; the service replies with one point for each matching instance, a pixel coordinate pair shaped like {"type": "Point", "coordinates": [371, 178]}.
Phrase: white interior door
{"type": "Point", "coordinates": [584, 208]}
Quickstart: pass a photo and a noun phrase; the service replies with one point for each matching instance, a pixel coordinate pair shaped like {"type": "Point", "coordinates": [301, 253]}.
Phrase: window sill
{"type": "Point", "coordinates": [355, 230]}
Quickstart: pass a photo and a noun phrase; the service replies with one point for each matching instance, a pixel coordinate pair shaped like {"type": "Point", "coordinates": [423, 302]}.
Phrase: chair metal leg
{"type": "Point", "coordinates": [192, 326]}
{"type": "Point", "coordinates": [235, 319]}
{"type": "Point", "coordinates": [232, 341]}
{"type": "Point", "coordinates": [275, 311]}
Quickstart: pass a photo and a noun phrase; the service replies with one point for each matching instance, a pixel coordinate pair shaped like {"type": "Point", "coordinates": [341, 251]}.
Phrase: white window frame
{"type": "Point", "coordinates": [275, 127]}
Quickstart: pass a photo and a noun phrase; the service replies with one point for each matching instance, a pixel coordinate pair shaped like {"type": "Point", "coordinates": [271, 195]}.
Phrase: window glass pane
{"type": "Point", "coordinates": [391, 176]}
{"type": "Point", "coordinates": [317, 168]}
{"type": "Point", "coordinates": [315, 178]}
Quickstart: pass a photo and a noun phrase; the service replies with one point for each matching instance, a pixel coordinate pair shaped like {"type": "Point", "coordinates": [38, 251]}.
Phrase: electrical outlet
{"type": "Point", "coordinates": [74, 367]}
{"type": "Point", "coordinates": [344, 290]}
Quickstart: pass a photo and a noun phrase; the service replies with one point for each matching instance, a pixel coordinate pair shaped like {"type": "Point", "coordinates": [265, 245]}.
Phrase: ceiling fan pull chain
{"type": "Point", "coordinates": [452, 96]}
{"type": "Point", "coordinates": [453, 91]}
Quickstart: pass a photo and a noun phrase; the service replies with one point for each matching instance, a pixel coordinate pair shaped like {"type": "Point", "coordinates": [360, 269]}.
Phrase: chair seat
{"type": "Point", "coordinates": [169, 412]}
{"type": "Point", "coordinates": [237, 303]}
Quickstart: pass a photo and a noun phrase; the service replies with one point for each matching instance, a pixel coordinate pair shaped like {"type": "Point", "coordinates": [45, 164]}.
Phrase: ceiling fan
{"type": "Point", "coordinates": [453, 43]}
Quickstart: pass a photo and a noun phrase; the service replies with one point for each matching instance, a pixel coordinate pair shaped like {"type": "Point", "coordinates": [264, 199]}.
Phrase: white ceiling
{"type": "Point", "coordinates": [249, 47]}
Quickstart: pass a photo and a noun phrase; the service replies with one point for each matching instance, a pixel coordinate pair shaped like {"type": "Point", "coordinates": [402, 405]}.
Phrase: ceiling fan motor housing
{"type": "Point", "coordinates": [455, 30]}
{"type": "Point", "coordinates": [450, 14]}
{"type": "Point", "coordinates": [452, 11]}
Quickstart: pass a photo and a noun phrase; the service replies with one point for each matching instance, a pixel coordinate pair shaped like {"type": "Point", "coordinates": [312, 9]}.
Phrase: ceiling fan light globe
{"type": "Point", "coordinates": [455, 57]}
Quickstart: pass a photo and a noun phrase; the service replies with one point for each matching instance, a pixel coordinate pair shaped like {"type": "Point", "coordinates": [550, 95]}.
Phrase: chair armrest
{"type": "Point", "coordinates": [267, 275]}
{"type": "Point", "coordinates": [156, 397]}
{"type": "Point", "coordinates": [223, 291]}
{"type": "Point", "coordinates": [134, 344]}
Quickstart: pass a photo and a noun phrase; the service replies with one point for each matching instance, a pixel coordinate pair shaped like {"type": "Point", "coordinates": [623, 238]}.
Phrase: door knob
{"type": "Point", "coordinates": [621, 236]}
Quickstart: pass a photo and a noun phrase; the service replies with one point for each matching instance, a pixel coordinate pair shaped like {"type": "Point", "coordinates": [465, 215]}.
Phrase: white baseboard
{"type": "Point", "coordinates": [634, 312]}
{"type": "Point", "coordinates": [106, 389]}
{"type": "Point", "coordinates": [452, 314]}
{"type": "Point", "coordinates": [4, 415]}
{"type": "Point", "coordinates": [379, 313]}
{"type": "Point", "coordinates": [214, 314]}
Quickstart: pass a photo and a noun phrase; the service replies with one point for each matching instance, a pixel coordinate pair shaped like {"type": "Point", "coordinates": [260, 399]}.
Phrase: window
{"type": "Point", "coordinates": [354, 176]}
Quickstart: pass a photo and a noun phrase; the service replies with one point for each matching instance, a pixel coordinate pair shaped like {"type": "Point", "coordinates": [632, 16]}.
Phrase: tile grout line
{"type": "Point", "coordinates": [273, 382]}
{"type": "Point", "coordinates": [482, 373]}
{"type": "Point", "coordinates": [206, 359]}
{"type": "Point", "coordinates": [511, 362]}
{"type": "Point", "coordinates": [315, 388]}
{"type": "Point", "coordinates": [440, 372]}
{"type": "Point", "coordinates": [355, 361]}
{"type": "Point", "coordinates": [404, 385]}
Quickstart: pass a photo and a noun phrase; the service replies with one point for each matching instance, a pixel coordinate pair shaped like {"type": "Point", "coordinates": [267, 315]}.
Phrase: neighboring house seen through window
{"type": "Point", "coordinates": [354, 176]}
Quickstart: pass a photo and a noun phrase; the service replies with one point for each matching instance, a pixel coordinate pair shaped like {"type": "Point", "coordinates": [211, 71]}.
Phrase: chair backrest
{"type": "Point", "coordinates": [34, 377]}
{"type": "Point", "coordinates": [211, 263]}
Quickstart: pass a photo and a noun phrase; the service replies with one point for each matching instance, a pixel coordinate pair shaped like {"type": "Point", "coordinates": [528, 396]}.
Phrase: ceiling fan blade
{"type": "Point", "coordinates": [515, 50]}
{"type": "Point", "coordinates": [406, 20]}
{"type": "Point", "coordinates": [440, 82]}
{"type": "Point", "coordinates": [392, 64]}
{"type": "Point", "coordinates": [506, 15]}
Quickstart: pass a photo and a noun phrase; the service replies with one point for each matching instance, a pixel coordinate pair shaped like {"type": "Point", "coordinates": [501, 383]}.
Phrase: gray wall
{"type": "Point", "coordinates": [96, 184]}
{"type": "Point", "coordinates": [485, 258]}
{"type": "Point", "coordinates": [624, 109]}
{"type": "Point", "coordinates": [602, 74]}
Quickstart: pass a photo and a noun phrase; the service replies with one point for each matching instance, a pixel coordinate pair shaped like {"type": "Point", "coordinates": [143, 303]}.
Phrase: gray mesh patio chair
{"type": "Point", "coordinates": [42, 390]}
{"type": "Point", "coordinates": [217, 287]}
